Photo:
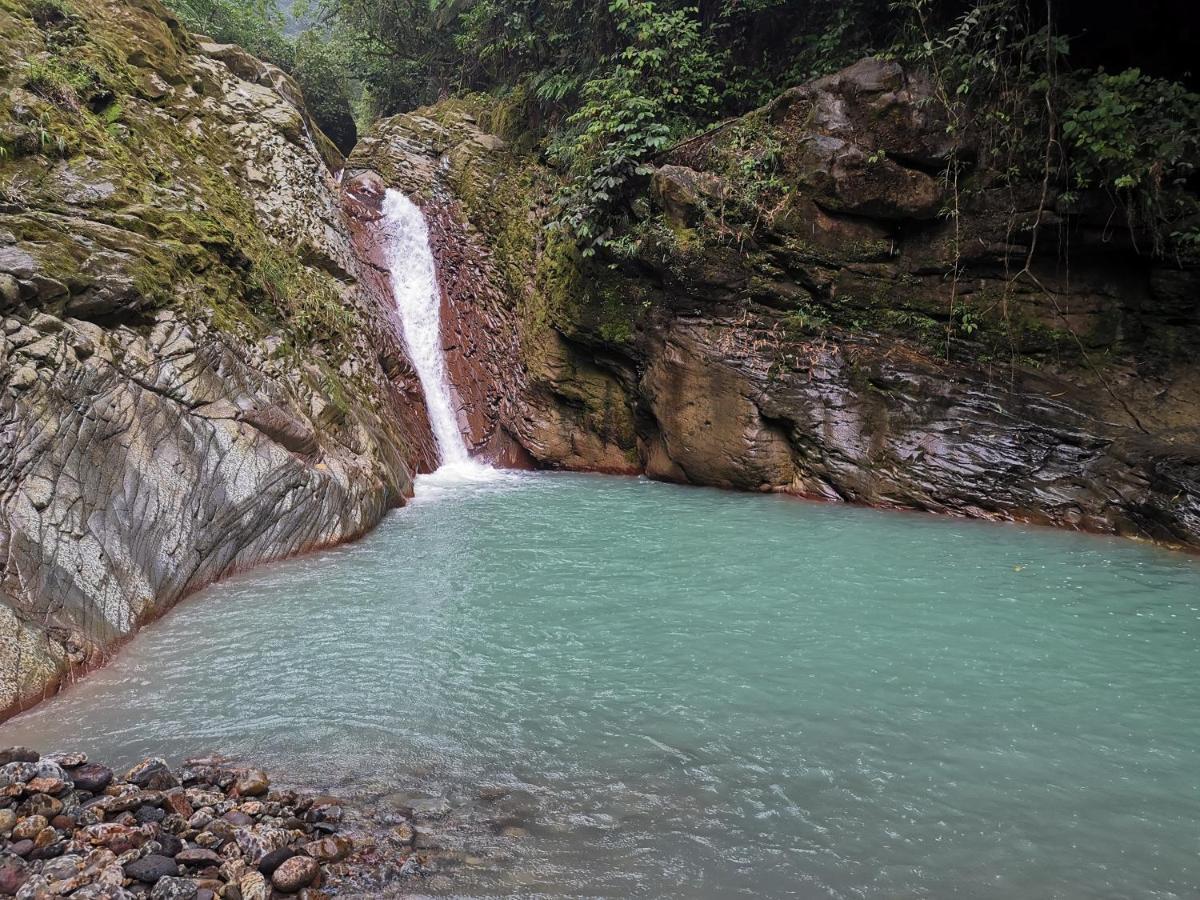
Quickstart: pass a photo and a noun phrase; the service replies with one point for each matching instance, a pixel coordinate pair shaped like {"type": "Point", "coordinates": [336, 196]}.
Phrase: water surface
{"type": "Point", "coordinates": [686, 693]}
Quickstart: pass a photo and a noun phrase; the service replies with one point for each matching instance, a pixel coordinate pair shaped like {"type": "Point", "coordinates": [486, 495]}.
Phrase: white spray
{"type": "Point", "coordinates": [418, 300]}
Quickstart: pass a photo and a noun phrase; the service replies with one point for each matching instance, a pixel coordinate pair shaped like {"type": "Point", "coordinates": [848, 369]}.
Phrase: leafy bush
{"type": "Point", "coordinates": [654, 88]}
{"type": "Point", "coordinates": [1136, 136]}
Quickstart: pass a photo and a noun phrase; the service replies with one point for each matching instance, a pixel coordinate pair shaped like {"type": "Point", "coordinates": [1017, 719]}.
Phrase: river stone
{"type": "Point", "coordinates": [22, 847]}
{"type": "Point", "coordinates": [18, 754]}
{"type": "Point", "coordinates": [17, 773]}
{"type": "Point", "coordinates": [171, 888]}
{"type": "Point", "coordinates": [295, 873]}
{"type": "Point", "coordinates": [8, 821]}
{"type": "Point", "coordinates": [41, 805]}
{"type": "Point", "coordinates": [273, 860]}
{"type": "Point", "coordinates": [149, 869]}
{"type": "Point", "coordinates": [116, 836]}
{"type": "Point", "coordinates": [102, 891]}
{"type": "Point", "coordinates": [170, 843]}
{"type": "Point", "coordinates": [152, 773]}
{"type": "Point", "coordinates": [48, 768]}
{"type": "Point", "coordinates": [258, 843]}
{"type": "Point", "coordinates": [43, 785]}
{"type": "Point", "coordinates": [176, 801]}
{"type": "Point", "coordinates": [12, 876]}
{"type": "Point", "coordinates": [28, 828]}
{"type": "Point", "coordinates": [253, 783]}
{"type": "Point", "coordinates": [64, 867]}
{"type": "Point", "coordinates": [198, 858]}
{"type": "Point", "coordinates": [145, 814]}
{"type": "Point", "coordinates": [329, 849]}
{"type": "Point", "coordinates": [91, 777]}
{"type": "Point", "coordinates": [68, 760]}
{"type": "Point", "coordinates": [253, 886]}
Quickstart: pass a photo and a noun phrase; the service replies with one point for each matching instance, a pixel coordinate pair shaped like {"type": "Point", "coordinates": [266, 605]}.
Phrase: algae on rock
{"type": "Point", "coordinates": [192, 364]}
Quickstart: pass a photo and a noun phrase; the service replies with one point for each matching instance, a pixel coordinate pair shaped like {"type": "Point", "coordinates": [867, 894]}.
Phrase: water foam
{"type": "Point", "coordinates": [418, 300]}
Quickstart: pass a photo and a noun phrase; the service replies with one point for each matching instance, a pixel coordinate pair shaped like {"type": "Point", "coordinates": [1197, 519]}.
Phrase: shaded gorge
{"type": "Point", "coordinates": [636, 689]}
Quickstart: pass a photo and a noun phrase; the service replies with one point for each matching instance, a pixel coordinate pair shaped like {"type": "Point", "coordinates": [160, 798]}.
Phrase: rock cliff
{"type": "Point", "coordinates": [196, 372]}
{"type": "Point", "coordinates": [794, 308]}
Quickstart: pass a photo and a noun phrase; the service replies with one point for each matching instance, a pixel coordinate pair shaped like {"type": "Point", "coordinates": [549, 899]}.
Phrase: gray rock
{"type": "Point", "coordinates": [149, 869]}
{"type": "Point", "coordinates": [169, 888]}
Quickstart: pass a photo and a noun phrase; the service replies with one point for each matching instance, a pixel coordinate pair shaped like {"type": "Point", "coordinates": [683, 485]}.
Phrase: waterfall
{"type": "Point", "coordinates": [418, 300]}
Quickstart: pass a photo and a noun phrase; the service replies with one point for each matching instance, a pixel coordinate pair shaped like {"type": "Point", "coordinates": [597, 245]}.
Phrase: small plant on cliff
{"type": "Point", "coordinates": [653, 88]}
{"type": "Point", "coordinates": [1138, 138]}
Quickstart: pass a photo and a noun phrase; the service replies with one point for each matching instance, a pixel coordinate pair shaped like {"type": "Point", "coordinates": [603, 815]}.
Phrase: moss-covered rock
{"type": "Point", "coordinates": [190, 366]}
{"type": "Point", "coordinates": [801, 300]}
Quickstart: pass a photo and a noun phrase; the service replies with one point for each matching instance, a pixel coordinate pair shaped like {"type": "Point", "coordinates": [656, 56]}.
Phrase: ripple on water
{"type": "Point", "coordinates": [685, 693]}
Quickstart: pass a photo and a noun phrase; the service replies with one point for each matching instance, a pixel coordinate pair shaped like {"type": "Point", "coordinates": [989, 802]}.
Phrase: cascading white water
{"type": "Point", "coordinates": [418, 300]}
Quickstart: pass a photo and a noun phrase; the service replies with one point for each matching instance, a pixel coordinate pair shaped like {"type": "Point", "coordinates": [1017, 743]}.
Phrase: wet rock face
{"type": "Point", "coordinates": [783, 316]}
{"type": "Point", "coordinates": [192, 355]}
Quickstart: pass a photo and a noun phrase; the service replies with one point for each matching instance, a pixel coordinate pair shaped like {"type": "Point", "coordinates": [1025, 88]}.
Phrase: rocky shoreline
{"type": "Point", "coordinates": [70, 827]}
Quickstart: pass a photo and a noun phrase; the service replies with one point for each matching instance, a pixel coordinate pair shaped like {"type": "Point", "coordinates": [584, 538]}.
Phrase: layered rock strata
{"type": "Point", "coordinates": [804, 302]}
{"type": "Point", "coordinates": [196, 372]}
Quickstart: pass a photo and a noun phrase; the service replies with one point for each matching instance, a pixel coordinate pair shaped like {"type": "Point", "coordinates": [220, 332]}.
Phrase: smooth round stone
{"type": "Point", "coordinates": [253, 886]}
{"type": "Point", "coordinates": [18, 754]}
{"type": "Point", "coordinates": [11, 878]}
{"type": "Point", "coordinates": [8, 821]}
{"type": "Point", "coordinates": [22, 847]}
{"type": "Point", "coordinates": [198, 858]}
{"type": "Point", "coordinates": [295, 873]}
{"type": "Point", "coordinates": [91, 777]}
{"type": "Point", "coordinates": [149, 869]}
{"type": "Point", "coordinates": [48, 768]}
{"type": "Point", "coordinates": [152, 773]}
{"type": "Point", "coordinates": [252, 784]}
{"type": "Point", "coordinates": [237, 817]}
{"type": "Point", "coordinates": [273, 860]}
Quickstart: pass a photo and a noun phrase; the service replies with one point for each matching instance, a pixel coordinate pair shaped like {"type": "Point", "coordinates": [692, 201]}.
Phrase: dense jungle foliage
{"type": "Point", "coordinates": [1051, 91]}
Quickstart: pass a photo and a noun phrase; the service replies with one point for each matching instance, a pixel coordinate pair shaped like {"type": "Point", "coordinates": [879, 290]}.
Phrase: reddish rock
{"type": "Point", "coordinates": [329, 849]}
{"type": "Point", "coordinates": [11, 879]}
{"type": "Point", "coordinates": [253, 783]}
{"type": "Point", "coordinates": [295, 873]}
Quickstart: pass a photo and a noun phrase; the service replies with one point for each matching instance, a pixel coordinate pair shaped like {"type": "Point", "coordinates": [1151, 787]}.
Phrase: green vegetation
{"type": "Point", "coordinates": [319, 58]}
{"type": "Point", "coordinates": [602, 88]}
